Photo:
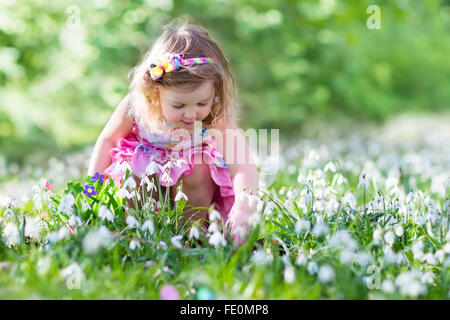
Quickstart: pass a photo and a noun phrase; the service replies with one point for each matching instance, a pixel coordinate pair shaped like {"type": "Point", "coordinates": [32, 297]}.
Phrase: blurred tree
{"type": "Point", "coordinates": [64, 64]}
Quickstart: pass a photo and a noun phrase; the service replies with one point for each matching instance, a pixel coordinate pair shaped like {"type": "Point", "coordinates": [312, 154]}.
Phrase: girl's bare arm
{"type": "Point", "coordinates": [118, 126]}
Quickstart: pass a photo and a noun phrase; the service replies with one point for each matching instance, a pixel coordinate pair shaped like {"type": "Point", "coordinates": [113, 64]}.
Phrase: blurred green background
{"type": "Point", "coordinates": [64, 64]}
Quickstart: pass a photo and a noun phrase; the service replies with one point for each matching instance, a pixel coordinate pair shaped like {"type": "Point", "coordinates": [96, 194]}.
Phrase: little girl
{"type": "Point", "coordinates": [182, 84]}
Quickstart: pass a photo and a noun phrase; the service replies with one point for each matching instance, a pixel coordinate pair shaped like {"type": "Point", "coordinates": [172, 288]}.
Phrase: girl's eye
{"type": "Point", "coordinates": [178, 107]}
{"type": "Point", "coordinates": [202, 104]}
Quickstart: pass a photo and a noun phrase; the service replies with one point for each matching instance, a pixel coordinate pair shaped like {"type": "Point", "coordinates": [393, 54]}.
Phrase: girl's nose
{"type": "Point", "coordinates": [190, 114]}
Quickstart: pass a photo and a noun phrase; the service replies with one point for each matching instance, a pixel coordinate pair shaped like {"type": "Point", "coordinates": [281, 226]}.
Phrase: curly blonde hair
{"type": "Point", "coordinates": [194, 41]}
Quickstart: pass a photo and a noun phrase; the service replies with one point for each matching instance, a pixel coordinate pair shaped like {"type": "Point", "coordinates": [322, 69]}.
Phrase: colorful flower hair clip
{"type": "Point", "coordinates": [173, 62]}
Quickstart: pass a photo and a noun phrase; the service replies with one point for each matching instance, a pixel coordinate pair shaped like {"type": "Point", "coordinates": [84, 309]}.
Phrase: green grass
{"type": "Point", "coordinates": [276, 262]}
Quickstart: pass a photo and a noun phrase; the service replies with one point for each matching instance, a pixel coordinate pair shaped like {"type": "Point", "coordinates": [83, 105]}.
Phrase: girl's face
{"type": "Point", "coordinates": [182, 107]}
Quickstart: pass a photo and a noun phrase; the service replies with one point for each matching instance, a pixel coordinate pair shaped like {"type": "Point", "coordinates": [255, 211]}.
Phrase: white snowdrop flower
{"type": "Point", "coordinates": [180, 195]}
{"type": "Point", "coordinates": [66, 204]}
{"type": "Point", "coordinates": [254, 218]}
{"type": "Point", "coordinates": [319, 218]}
{"type": "Point", "coordinates": [240, 231]}
{"type": "Point", "coordinates": [176, 241]}
{"type": "Point", "coordinates": [289, 204]}
{"type": "Point", "coordinates": [123, 193]}
{"type": "Point", "coordinates": [429, 258]}
{"type": "Point", "coordinates": [390, 256]}
{"type": "Point", "coordinates": [389, 238]}
{"type": "Point", "coordinates": [43, 265]}
{"type": "Point", "coordinates": [125, 166]}
{"type": "Point", "coordinates": [37, 198]}
{"type": "Point", "coordinates": [215, 216]}
{"type": "Point", "coordinates": [413, 289]}
{"type": "Point", "coordinates": [346, 256]}
{"type": "Point", "coordinates": [134, 193]}
{"type": "Point", "coordinates": [242, 196]}
{"type": "Point", "coordinates": [52, 237]}
{"type": "Point", "coordinates": [411, 197]}
{"type": "Point", "coordinates": [11, 233]}
{"type": "Point", "coordinates": [439, 255]}
{"type": "Point", "coordinates": [330, 167]}
{"type": "Point", "coordinates": [447, 247]}
{"type": "Point", "coordinates": [319, 230]}
{"type": "Point", "coordinates": [165, 177]}
{"type": "Point", "coordinates": [63, 233]}
{"type": "Point", "coordinates": [342, 239]}
{"type": "Point", "coordinates": [105, 214]}
{"type": "Point", "coordinates": [213, 227]}
{"type": "Point", "coordinates": [340, 179]}
{"type": "Point", "coordinates": [302, 259]}
{"type": "Point", "coordinates": [134, 245]}
{"type": "Point", "coordinates": [363, 181]}
{"type": "Point", "coordinates": [349, 199]}
{"type": "Point", "coordinates": [9, 202]}
{"type": "Point", "coordinates": [363, 258]}
{"type": "Point", "coordinates": [447, 236]}
{"type": "Point", "coordinates": [292, 193]}
{"type": "Point", "coordinates": [259, 257]}
{"type": "Point", "coordinates": [96, 239]}
{"type": "Point", "coordinates": [152, 168]}
{"type": "Point", "coordinates": [326, 274]}
{"type": "Point", "coordinates": [417, 250]}
{"type": "Point", "coordinates": [302, 225]}
{"type": "Point", "coordinates": [312, 267]}
{"type": "Point", "coordinates": [8, 213]}
{"type": "Point", "coordinates": [144, 181]}
{"type": "Point", "coordinates": [179, 162]}
{"type": "Point", "coordinates": [260, 206]}
{"type": "Point", "coordinates": [166, 269]}
{"type": "Point", "coordinates": [85, 206]}
{"type": "Point", "coordinates": [306, 197]}
{"type": "Point", "coordinates": [269, 207]}
{"type": "Point", "coordinates": [410, 211]}
{"type": "Point", "coordinates": [378, 202]}
{"type": "Point", "coordinates": [387, 286]}
{"type": "Point", "coordinates": [252, 199]}
{"type": "Point", "coordinates": [149, 184]}
{"type": "Point", "coordinates": [285, 259]}
{"type": "Point", "coordinates": [162, 245]}
{"type": "Point", "coordinates": [420, 220]}
{"type": "Point", "coordinates": [428, 277]}
{"type": "Point", "coordinates": [148, 226]}
{"type": "Point", "coordinates": [132, 222]}
{"type": "Point", "coordinates": [394, 205]}
{"type": "Point", "coordinates": [446, 205]}
{"type": "Point", "coordinates": [329, 192]}
{"type": "Point", "coordinates": [289, 274]}
{"type": "Point", "coordinates": [217, 239]}
{"type": "Point", "coordinates": [319, 205]}
{"type": "Point", "coordinates": [73, 269]}
{"type": "Point", "coordinates": [399, 231]}
{"type": "Point", "coordinates": [33, 228]}
{"type": "Point", "coordinates": [194, 233]}
{"type": "Point", "coordinates": [432, 217]}
{"type": "Point", "coordinates": [148, 264]}
{"type": "Point", "coordinates": [332, 206]}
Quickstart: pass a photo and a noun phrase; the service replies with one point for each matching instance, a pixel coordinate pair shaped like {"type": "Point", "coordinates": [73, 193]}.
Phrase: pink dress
{"type": "Point", "coordinates": [172, 156]}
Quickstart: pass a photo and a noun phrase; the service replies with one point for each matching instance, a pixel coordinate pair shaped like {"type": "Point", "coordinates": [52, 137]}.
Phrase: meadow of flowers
{"type": "Point", "coordinates": [358, 218]}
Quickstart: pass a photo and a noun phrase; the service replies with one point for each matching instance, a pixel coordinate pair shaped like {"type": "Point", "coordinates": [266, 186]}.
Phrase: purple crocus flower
{"type": "Point", "coordinates": [89, 190]}
{"type": "Point", "coordinates": [98, 177]}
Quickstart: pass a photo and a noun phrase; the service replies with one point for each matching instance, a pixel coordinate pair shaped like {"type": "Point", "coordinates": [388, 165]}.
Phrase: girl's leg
{"type": "Point", "coordinates": [199, 189]}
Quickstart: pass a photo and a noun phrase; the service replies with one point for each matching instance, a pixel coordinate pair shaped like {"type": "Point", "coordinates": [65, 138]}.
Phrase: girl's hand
{"type": "Point", "coordinates": [238, 223]}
